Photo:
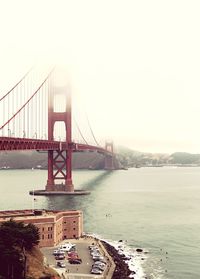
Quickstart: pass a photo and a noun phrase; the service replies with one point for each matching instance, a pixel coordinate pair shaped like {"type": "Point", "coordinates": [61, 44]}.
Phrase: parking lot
{"type": "Point", "coordinates": [73, 271]}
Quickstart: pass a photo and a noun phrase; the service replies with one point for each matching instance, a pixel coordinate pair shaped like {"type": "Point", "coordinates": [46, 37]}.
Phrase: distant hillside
{"type": "Point", "coordinates": [184, 158]}
{"type": "Point", "coordinates": [22, 159]}
{"type": "Point", "coordinates": [132, 158]}
{"type": "Point", "coordinates": [91, 160]}
{"type": "Point", "coordinates": [33, 159]}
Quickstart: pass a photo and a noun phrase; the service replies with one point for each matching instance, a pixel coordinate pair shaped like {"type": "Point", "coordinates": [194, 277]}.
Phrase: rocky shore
{"type": "Point", "coordinates": [122, 270]}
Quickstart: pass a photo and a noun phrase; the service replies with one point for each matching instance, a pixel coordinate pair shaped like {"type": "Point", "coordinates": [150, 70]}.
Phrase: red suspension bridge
{"type": "Point", "coordinates": [30, 120]}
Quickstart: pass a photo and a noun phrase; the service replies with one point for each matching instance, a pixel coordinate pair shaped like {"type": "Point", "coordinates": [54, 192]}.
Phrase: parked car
{"type": "Point", "coordinates": [94, 251]}
{"type": "Point", "coordinates": [92, 246]}
{"type": "Point", "coordinates": [75, 261]}
{"type": "Point", "coordinates": [72, 249]}
{"type": "Point", "coordinates": [101, 262]}
{"type": "Point", "coordinates": [58, 252]}
{"type": "Point", "coordinates": [62, 250]}
{"type": "Point", "coordinates": [99, 266]}
{"type": "Point", "coordinates": [98, 258]}
{"type": "Point", "coordinates": [95, 254]}
{"type": "Point", "coordinates": [95, 271]}
{"type": "Point", "coordinates": [61, 264]}
{"type": "Point", "coordinates": [67, 246]}
{"type": "Point", "coordinates": [60, 257]}
{"type": "Point", "coordinates": [72, 255]}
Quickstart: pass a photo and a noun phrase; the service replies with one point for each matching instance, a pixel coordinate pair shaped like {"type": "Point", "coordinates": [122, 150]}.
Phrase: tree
{"type": "Point", "coordinates": [15, 239]}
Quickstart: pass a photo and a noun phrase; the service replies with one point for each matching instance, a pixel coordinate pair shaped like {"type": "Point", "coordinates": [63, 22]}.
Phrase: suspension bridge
{"type": "Point", "coordinates": [33, 112]}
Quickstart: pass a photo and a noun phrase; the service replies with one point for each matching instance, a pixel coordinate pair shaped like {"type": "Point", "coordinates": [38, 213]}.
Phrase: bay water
{"type": "Point", "coordinates": [157, 209]}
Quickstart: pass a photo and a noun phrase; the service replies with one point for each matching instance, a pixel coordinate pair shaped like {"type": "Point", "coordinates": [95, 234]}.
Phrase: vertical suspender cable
{"type": "Point", "coordinates": [91, 131]}
{"type": "Point", "coordinates": [36, 116]}
{"type": "Point", "coordinates": [24, 128]}
{"type": "Point", "coordinates": [39, 113]}
{"type": "Point", "coordinates": [4, 105]}
{"type": "Point", "coordinates": [16, 84]}
{"type": "Point", "coordinates": [32, 107]}
{"type": "Point", "coordinates": [28, 109]}
{"type": "Point", "coordinates": [13, 113]}
{"type": "Point", "coordinates": [20, 132]}
{"type": "Point", "coordinates": [8, 133]}
{"type": "Point", "coordinates": [25, 104]}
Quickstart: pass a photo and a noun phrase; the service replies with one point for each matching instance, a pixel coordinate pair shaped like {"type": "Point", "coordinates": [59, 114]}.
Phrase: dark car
{"type": "Point", "coordinates": [98, 258]}
{"type": "Point", "coordinates": [61, 264]}
{"type": "Point", "coordinates": [60, 257]}
{"type": "Point", "coordinates": [75, 261]}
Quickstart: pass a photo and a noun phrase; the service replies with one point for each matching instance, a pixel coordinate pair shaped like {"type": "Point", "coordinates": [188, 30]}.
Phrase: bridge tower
{"type": "Point", "coordinates": [60, 161]}
{"type": "Point", "coordinates": [109, 158]}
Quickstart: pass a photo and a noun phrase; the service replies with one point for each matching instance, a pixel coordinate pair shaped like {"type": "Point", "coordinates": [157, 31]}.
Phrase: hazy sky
{"type": "Point", "coordinates": [134, 64]}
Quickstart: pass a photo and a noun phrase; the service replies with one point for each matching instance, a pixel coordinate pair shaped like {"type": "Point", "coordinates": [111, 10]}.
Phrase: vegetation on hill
{"type": "Point", "coordinates": [36, 268]}
{"type": "Point", "coordinates": [185, 158]}
{"type": "Point", "coordinates": [131, 158]}
{"type": "Point", "coordinates": [17, 242]}
{"type": "Point", "coordinates": [36, 160]}
{"type": "Point", "coordinates": [91, 160]}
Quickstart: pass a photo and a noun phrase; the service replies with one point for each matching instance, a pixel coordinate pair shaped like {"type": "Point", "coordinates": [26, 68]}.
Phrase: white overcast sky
{"type": "Point", "coordinates": [134, 64]}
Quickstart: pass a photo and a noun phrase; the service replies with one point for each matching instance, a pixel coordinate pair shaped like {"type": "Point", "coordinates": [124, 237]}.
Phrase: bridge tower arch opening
{"type": "Point", "coordinates": [59, 161]}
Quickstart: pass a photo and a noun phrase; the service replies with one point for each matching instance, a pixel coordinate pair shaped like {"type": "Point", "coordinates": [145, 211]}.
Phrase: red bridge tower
{"type": "Point", "coordinates": [60, 161]}
{"type": "Point", "coordinates": [109, 158]}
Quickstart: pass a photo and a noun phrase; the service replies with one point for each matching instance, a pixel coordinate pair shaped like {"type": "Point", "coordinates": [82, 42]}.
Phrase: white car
{"type": "Point", "coordinates": [58, 252]}
{"type": "Point", "coordinates": [67, 246]}
{"type": "Point", "coordinates": [61, 264]}
{"type": "Point", "coordinates": [96, 271]}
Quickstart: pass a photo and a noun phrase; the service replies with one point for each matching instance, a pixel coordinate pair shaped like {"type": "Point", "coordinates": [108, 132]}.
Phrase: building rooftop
{"type": "Point", "coordinates": [37, 213]}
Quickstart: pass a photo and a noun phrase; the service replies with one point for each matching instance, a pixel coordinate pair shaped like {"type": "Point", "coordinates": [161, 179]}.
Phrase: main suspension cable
{"type": "Point", "coordinates": [16, 84]}
{"type": "Point", "coordinates": [24, 105]}
{"type": "Point", "coordinates": [80, 131]}
{"type": "Point", "coordinates": [91, 130]}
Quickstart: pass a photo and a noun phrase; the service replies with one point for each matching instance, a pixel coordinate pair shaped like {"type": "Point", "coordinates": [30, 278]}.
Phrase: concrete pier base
{"type": "Point", "coordinates": [58, 193]}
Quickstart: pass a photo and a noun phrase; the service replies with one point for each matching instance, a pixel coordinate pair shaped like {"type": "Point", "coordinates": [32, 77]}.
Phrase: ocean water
{"type": "Point", "coordinates": [157, 209]}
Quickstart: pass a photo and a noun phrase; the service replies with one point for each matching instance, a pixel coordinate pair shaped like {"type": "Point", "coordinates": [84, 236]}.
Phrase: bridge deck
{"type": "Point", "coordinates": [10, 143]}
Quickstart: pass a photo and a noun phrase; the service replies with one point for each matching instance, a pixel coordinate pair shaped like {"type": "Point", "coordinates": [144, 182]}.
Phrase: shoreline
{"type": "Point", "coordinates": [127, 261]}
{"type": "Point", "coordinates": [121, 270]}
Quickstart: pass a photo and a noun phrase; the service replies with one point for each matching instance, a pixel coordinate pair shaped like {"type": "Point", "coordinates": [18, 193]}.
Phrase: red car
{"type": "Point", "coordinates": [72, 255]}
{"type": "Point", "coordinates": [75, 261]}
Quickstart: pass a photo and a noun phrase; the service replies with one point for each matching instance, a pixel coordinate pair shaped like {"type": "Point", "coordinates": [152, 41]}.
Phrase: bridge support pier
{"type": "Point", "coordinates": [69, 186]}
{"type": "Point", "coordinates": [59, 169]}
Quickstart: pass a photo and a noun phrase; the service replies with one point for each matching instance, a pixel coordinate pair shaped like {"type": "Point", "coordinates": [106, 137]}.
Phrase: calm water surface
{"type": "Point", "coordinates": [154, 208]}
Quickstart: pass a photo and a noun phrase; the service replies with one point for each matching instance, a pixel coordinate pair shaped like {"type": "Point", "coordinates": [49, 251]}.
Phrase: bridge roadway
{"type": "Point", "coordinates": [11, 143]}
